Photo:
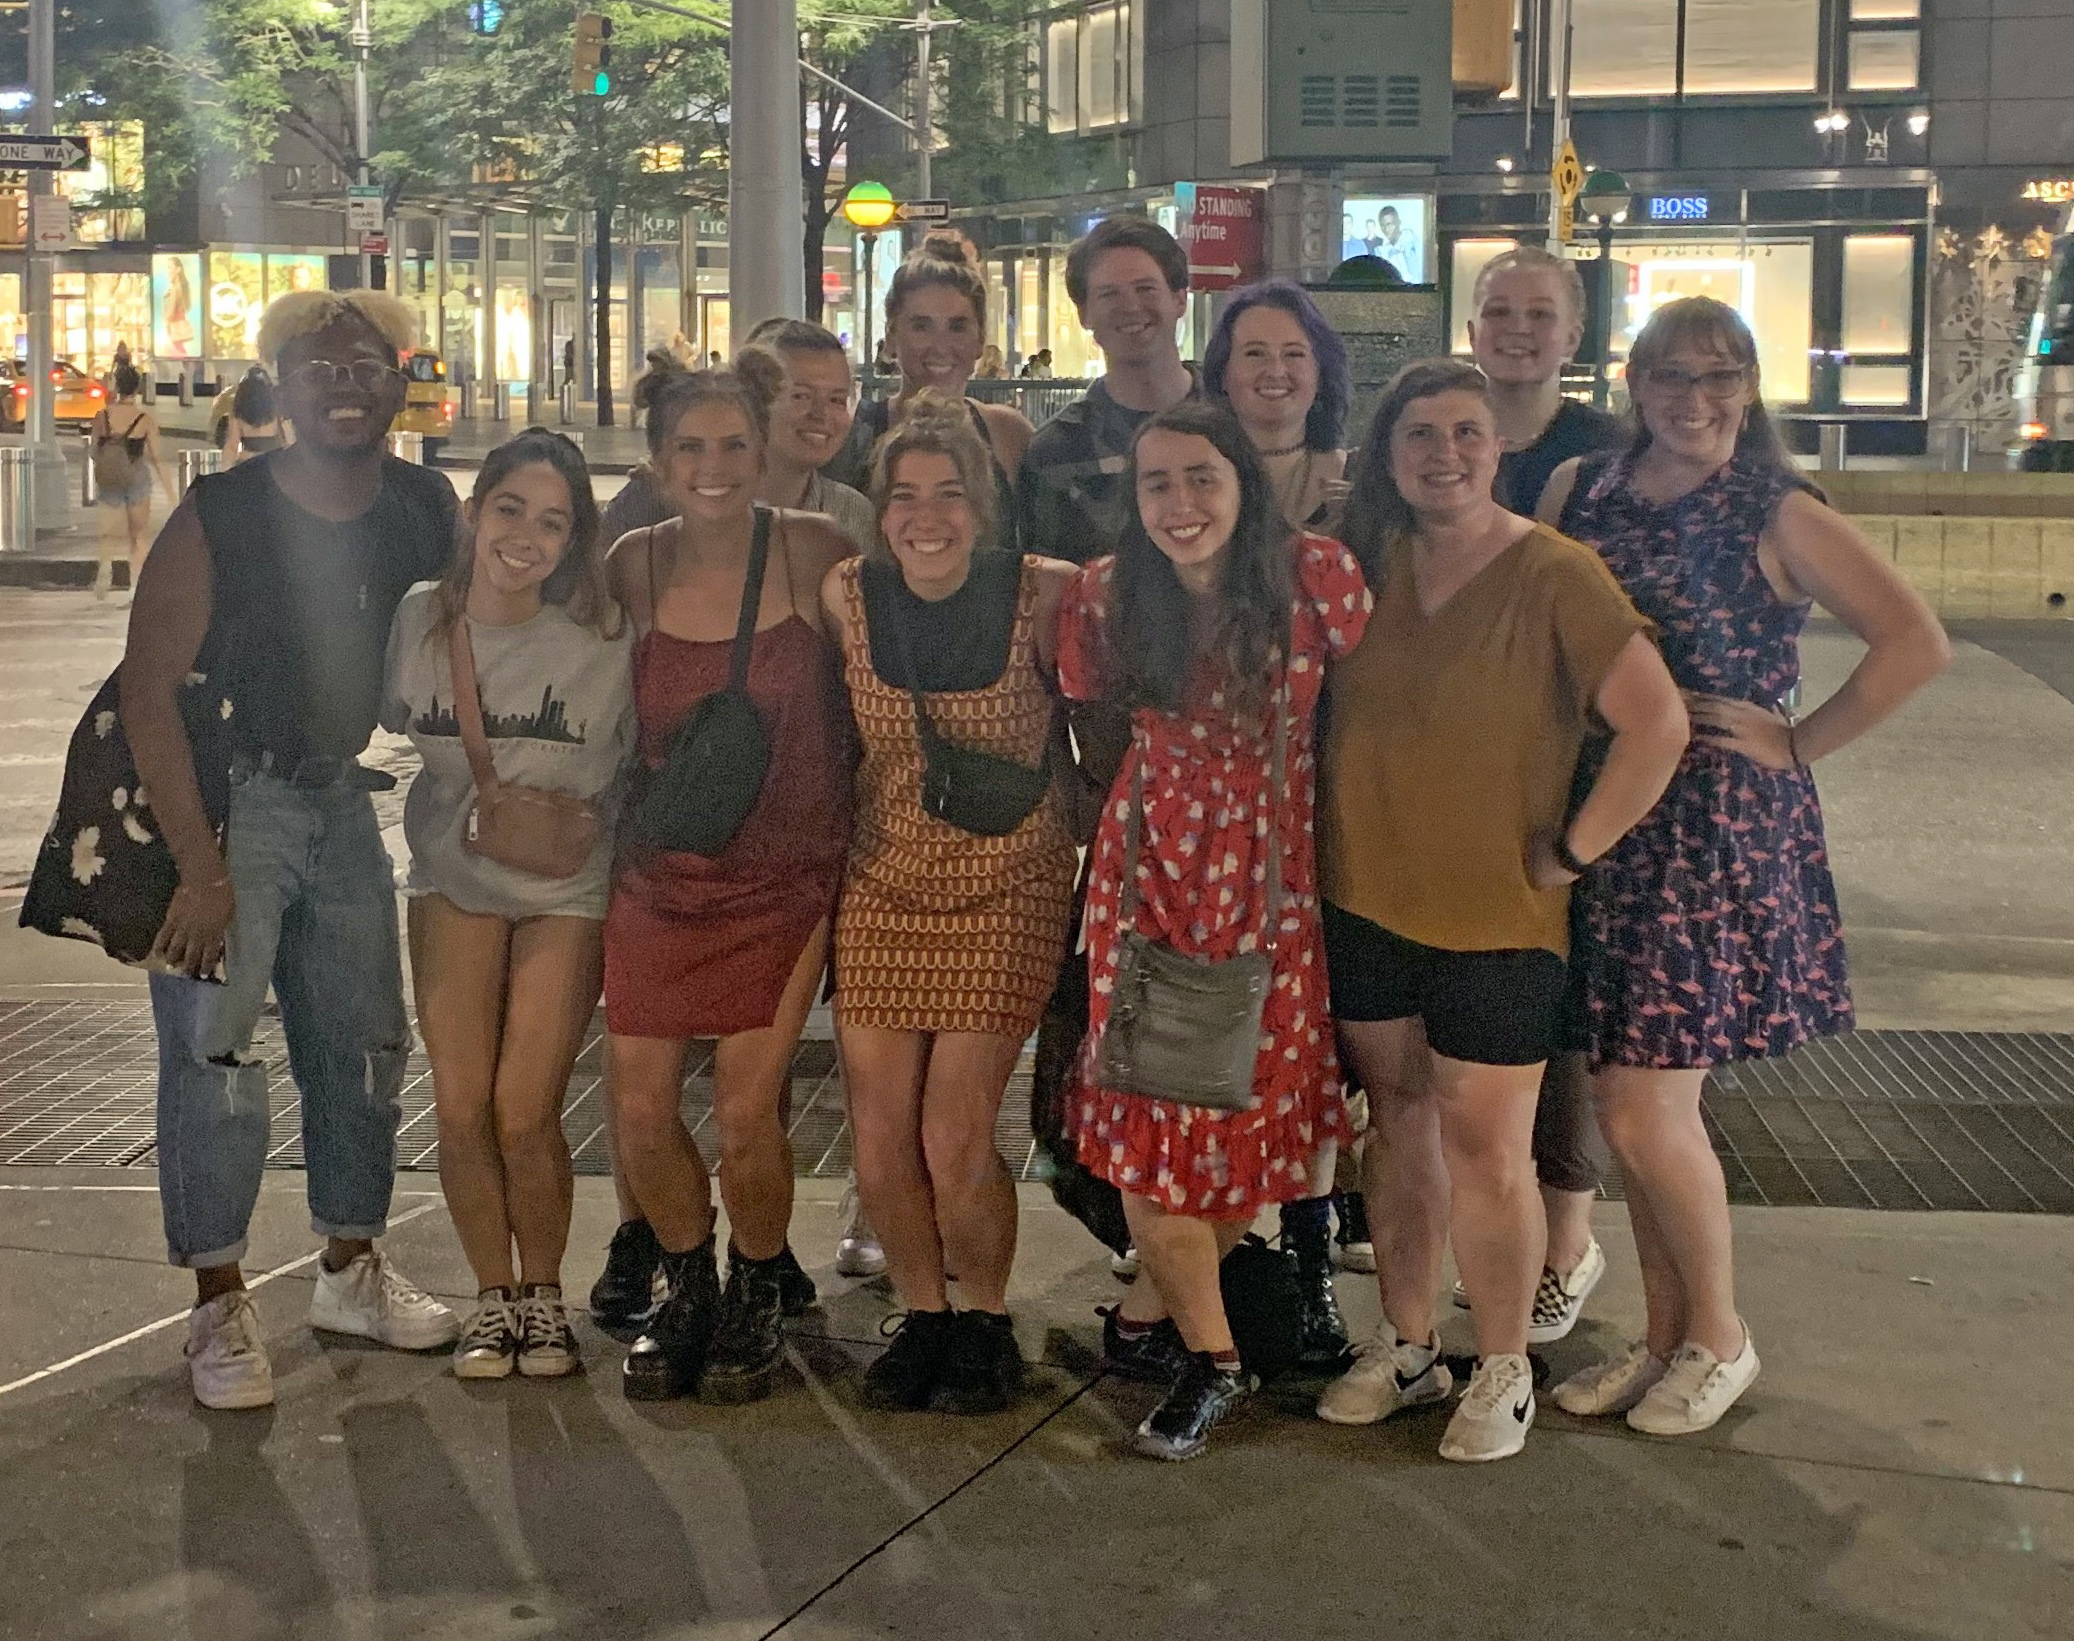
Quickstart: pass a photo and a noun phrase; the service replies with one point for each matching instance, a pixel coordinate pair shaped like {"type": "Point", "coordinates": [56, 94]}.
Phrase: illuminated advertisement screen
{"type": "Point", "coordinates": [176, 284]}
{"type": "Point", "coordinates": [294, 271]}
{"type": "Point", "coordinates": [1397, 230]}
{"type": "Point", "coordinates": [236, 298]}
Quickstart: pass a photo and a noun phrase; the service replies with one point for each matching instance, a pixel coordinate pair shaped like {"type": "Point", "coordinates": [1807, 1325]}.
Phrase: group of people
{"type": "Point", "coordinates": [1466, 760]}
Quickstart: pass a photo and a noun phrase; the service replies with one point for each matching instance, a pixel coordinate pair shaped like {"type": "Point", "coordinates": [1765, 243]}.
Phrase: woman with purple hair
{"type": "Point", "coordinates": [1283, 370]}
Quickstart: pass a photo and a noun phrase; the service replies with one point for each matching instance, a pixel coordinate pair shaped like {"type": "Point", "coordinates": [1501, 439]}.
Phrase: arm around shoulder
{"type": "Point", "coordinates": [1555, 495]}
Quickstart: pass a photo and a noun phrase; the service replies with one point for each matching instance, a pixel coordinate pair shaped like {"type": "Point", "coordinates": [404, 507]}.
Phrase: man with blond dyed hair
{"type": "Point", "coordinates": [1526, 323]}
{"type": "Point", "coordinates": [279, 579]}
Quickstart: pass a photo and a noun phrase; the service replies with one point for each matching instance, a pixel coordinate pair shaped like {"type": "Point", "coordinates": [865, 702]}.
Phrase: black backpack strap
{"type": "Point", "coordinates": [752, 602]}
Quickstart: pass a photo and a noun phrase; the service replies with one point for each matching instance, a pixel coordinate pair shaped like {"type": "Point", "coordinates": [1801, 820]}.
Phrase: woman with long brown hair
{"type": "Point", "coordinates": [506, 962]}
{"type": "Point", "coordinates": [1710, 933]}
{"type": "Point", "coordinates": [1212, 622]}
{"type": "Point", "coordinates": [936, 325]}
{"type": "Point", "coordinates": [952, 924]}
{"type": "Point", "coordinates": [1447, 849]}
{"type": "Point", "coordinates": [731, 943]}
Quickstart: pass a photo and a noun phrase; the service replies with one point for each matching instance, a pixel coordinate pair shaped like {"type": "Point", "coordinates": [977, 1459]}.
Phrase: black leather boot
{"type": "Point", "coordinates": [624, 1296]}
{"type": "Point", "coordinates": [1307, 1233]}
{"type": "Point", "coordinates": [669, 1357]}
{"type": "Point", "coordinates": [749, 1342]}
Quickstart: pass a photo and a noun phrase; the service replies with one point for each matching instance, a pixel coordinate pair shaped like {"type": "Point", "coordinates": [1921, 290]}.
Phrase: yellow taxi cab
{"type": "Point", "coordinates": [79, 397]}
{"type": "Point", "coordinates": [428, 401]}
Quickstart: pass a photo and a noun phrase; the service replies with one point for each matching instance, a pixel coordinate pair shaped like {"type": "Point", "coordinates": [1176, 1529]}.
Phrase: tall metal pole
{"type": "Point", "coordinates": [924, 91]}
{"type": "Point", "coordinates": [871, 256]}
{"type": "Point", "coordinates": [1559, 57]}
{"type": "Point", "coordinates": [363, 42]}
{"type": "Point", "coordinates": [766, 200]}
{"type": "Point", "coordinates": [49, 490]}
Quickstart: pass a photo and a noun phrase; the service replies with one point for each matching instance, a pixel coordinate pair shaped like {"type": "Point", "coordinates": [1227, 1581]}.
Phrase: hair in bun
{"type": "Point", "coordinates": [667, 391]}
{"type": "Point", "coordinates": [935, 425]}
{"type": "Point", "coordinates": [945, 257]}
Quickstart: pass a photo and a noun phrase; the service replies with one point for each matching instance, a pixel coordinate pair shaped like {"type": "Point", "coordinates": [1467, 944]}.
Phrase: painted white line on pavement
{"type": "Point", "coordinates": [179, 1316]}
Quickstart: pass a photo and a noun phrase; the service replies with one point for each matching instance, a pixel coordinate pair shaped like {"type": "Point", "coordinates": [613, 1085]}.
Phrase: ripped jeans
{"type": "Point", "coordinates": [316, 916]}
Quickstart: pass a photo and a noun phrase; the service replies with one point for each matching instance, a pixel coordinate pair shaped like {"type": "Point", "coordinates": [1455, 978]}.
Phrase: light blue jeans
{"type": "Point", "coordinates": [316, 916]}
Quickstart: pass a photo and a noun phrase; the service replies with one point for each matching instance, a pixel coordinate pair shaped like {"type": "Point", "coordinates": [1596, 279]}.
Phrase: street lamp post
{"type": "Point", "coordinates": [1605, 200]}
{"type": "Point", "coordinates": [868, 207]}
{"type": "Point", "coordinates": [49, 491]}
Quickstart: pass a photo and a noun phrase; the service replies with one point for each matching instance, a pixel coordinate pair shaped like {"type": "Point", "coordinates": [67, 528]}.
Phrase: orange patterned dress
{"type": "Point", "coordinates": [940, 929]}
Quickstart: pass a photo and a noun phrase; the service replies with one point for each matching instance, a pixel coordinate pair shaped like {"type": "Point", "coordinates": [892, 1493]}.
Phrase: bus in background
{"type": "Point", "coordinates": [2044, 383]}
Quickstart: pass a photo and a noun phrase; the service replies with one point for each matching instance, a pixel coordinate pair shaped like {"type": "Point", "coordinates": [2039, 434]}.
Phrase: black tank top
{"type": "Point", "coordinates": [301, 605]}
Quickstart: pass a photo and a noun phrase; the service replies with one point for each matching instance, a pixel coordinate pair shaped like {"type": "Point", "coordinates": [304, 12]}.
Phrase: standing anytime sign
{"type": "Point", "coordinates": [1225, 232]}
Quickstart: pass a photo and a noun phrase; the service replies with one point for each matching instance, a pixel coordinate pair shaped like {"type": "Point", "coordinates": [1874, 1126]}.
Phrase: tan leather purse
{"type": "Point", "coordinates": [527, 828]}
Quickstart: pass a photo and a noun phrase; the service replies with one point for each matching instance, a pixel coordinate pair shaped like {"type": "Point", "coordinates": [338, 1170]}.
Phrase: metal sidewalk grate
{"type": "Point", "coordinates": [1880, 1119]}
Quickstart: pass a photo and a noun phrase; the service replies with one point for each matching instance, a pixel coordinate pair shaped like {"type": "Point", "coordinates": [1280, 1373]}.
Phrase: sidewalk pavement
{"type": "Point", "coordinates": [1902, 1470]}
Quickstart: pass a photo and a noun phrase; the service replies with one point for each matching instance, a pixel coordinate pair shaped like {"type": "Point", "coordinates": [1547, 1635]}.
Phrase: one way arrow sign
{"type": "Point", "coordinates": [43, 154]}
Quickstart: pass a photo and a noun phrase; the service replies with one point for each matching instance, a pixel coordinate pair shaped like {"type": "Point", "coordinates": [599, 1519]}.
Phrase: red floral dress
{"type": "Point", "coordinates": [1202, 889]}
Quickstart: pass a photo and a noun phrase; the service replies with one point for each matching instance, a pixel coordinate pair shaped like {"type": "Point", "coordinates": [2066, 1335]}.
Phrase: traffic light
{"type": "Point", "coordinates": [484, 16]}
{"type": "Point", "coordinates": [590, 66]}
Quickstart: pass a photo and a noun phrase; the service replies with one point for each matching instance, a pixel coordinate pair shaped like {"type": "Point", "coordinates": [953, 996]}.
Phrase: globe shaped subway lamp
{"type": "Point", "coordinates": [1605, 199]}
{"type": "Point", "coordinates": [868, 207]}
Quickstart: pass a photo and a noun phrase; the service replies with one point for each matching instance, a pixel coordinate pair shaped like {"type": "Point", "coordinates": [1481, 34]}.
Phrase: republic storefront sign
{"type": "Point", "coordinates": [1224, 229]}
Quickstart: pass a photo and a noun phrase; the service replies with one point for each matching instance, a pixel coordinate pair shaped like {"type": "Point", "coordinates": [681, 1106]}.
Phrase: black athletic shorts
{"type": "Point", "coordinates": [1502, 1008]}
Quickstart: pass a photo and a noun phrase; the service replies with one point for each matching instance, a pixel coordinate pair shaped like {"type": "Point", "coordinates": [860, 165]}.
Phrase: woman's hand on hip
{"type": "Point", "coordinates": [1760, 734]}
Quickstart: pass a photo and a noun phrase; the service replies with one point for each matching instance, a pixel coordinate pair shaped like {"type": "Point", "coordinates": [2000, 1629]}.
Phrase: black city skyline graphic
{"type": "Point", "coordinates": [549, 723]}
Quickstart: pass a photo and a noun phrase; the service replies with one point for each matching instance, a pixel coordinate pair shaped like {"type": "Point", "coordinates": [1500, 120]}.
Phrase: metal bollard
{"type": "Point", "coordinates": [408, 447]}
{"type": "Point", "coordinates": [568, 398]}
{"type": "Point", "coordinates": [89, 483]}
{"type": "Point", "coordinates": [17, 507]}
{"type": "Point", "coordinates": [500, 401]}
{"type": "Point", "coordinates": [1834, 450]}
{"type": "Point", "coordinates": [150, 389]}
{"type": "Point", "coordinates": [187, 384]}
{"type": "Point", "coordinates": [195, 463]}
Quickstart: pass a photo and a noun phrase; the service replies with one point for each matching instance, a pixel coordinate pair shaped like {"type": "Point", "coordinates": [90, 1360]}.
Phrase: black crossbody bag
{"type": "Point", "coordinates": [973, 791]}
{"type": "Point", "coordinates": [696, 800]}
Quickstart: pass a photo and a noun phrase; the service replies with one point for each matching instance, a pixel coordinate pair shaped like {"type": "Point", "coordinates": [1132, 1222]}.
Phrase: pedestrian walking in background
{"type": "Point", "coordinates": [518, 660]}
{"type": "Point", "coordinates": [936, 315]}
{"type": "Point", "coordinates": [993, 367]}
{"type": "Point", "coordinates": [128, 462]}
{"type": "Point", "coordinates": [1448, 847]}
{"type": "Point", "coordinates": [255, 420]}
{"type": "Point", "coordinates": [727, 941]}
{"type": "Point", "coordinates": [1283, 370]}
{"type": "Point", "coordinates": [1212, 622]}
{"type": "Point", "coordinates": [1710, 933]}
{"type": "Point", "coordinates": [281, 578]}
{"type": "Point", "coordinates": [1528, 321]}
{"type": "Point", "coordinates": [953, 923]}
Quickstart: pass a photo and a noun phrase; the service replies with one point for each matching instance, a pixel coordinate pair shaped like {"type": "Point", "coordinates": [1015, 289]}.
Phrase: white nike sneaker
{"type": "Point", "coordinates": [1124, 1266]}
{"type": "Point", "coordinates": [370, 1298]}
{"type": "Point", "coordinates": [1695, 1391]}
{"type": "Point", "coordinates": [1612, 1386]}
{"type": "Point", "coordinates": [1388, 1376]}
{"type": "Point", "coordinates": [858, 1253]}
{"type": "Point", "coordinates": [1559, 1300]}
{"type": "Point", "coordinates": [1496, 1413]}
{"type": "Point", "coordinates": [226, 1353]}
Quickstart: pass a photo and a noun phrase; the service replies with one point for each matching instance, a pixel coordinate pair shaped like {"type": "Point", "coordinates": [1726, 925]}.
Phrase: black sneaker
{"type": "Point", "coordinates": [1356, 1246]}
{"type": "Point", "coordinates": [1324, 1336]}
{"type": "Point", "coordinates": [796, 1291]}
{"type": "Point", "coordinates": [905, 1375]}
{"type": "Point", "coordinates": [624, 1297]}
{"type": "Point", "coordinates": [1202, 1398]}
{"type": "Point", "coordinates": [1151, 1355]}
{"type": "Point", "coordinates": [748, 1342]}
{"type": "Point", "coordinates": [668, 1358]}
{"type": "Point", "coordinates": [983, 1369]}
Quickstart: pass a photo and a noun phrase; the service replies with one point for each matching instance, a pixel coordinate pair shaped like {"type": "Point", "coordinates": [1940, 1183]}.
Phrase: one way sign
{"type": "Point", "coordinates": [43, 154]}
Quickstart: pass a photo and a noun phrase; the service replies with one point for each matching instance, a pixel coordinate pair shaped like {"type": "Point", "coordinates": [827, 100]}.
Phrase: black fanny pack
{"type": "Point", "coordinates": [973, 791]}
{"type": "Point", "coordinates": [709, 781]}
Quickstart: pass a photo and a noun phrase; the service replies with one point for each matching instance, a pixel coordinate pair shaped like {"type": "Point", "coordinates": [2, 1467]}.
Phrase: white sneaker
{"type": "Point", "coordinates": [373, 1300]}
{"type": "Point", "coordinates": [489, 1345]}
{"type": "Point", "coordinates": [1612, 1386]}
{"type": "Point", "coordinates": [1496, 1413]}
{"type": "Point", "coordinates": [858, 1253]}
{"type": "Point", "coordinates": [1124, 1266]}
{"type": "Point", "coordinates": [1695, 1391]}
{"type": "Point", "coordinates": [1388, 1376]}
{"type": "Point", "coordinates": [547, 1344]}
{"type": "Point", "coordinates": [1559, 1300]}
{"type": "Point", "coordinates": [226, 1353]}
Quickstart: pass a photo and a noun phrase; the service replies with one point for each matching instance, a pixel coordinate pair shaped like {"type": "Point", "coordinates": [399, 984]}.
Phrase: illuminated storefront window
{"type": "Point", "coordinates": [1629, 48]}
{"type": "Point", "coordinates": [1770, 285]}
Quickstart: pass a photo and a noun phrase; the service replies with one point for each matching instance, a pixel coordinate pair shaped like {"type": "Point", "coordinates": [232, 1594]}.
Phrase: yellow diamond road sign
{"type": "Point", "coordinates": [1567, 174]}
